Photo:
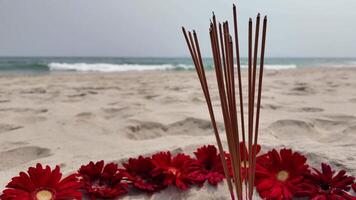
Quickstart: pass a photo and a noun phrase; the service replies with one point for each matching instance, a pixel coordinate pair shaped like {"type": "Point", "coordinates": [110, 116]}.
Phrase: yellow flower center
{"type": "Point", "coordinates": [44, 195]}
{"type": "Point", "coordinates": [282, 175]}
{"type": "Point", "coordinates": [244, 164]}
{"type": "Point", "coordinates": [174, 171]}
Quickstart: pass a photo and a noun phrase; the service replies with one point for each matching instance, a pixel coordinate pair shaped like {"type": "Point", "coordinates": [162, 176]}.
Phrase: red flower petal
{"type": "Point", "coordinates": [245, 159]}
{"type": "Point", "coordinates": [208, 166]}
{"type": "Point", "coordinates": [280, 173]}
{"type": "Point", "coordinates": [102, 181]}
{"type": "Point", "coordinates": [327, 185]}
{"type": "Point", "coordinates": [139, 172]}
{"type": "Point", "coordinates": [174, 170]}
{"type": "Point", "coordinates": [39, 179]}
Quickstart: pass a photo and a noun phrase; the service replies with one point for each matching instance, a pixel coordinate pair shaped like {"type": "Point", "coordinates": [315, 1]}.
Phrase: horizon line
{"type": "Point", "coordinates": [175, 57]}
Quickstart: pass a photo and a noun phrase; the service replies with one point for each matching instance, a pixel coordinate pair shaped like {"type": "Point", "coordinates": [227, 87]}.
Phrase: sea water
{"type": "Point", "coordinates": [48, 65]}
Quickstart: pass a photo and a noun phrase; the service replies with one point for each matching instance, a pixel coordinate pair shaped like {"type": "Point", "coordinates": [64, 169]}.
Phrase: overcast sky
{"type": "Point", "coordinates": [136, 28]}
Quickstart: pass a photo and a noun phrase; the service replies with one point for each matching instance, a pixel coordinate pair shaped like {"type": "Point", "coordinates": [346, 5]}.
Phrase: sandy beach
{"type": "Point", "coordinates": [70, 119]}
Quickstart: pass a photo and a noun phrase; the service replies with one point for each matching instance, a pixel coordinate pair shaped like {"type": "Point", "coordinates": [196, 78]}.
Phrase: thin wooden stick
{"type": "Point", "coordinates": [228, 70]}
{"type": "Point", "coordinates": [201, 74]}
{"type": "Point", "coordinates": [221, 150]}
{"type": "Point", "coordinates": [264, 30]}
{"type": "Point", "coordinates": [225, 75]}
{"type": "Point", "coordinates": [236, 156]}
{"type": "Point", "coordinates": [249, 99]}
{"type": "Point", "coordinates": [224, 103]}
{"type": "Point", "coordinates": [242, 118]}
{"type": "Point", "coordinates": [222, 52]}
{"type": "Point", "coordinates": [220, 86]}
{"type": "Point", "coordinates": [253, 86]}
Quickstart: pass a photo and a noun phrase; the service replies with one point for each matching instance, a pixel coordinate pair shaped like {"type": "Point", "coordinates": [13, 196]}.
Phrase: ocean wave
{"type": "Point", "coordinates": [281, 66]}
{"type": "Point", "coordinates": [276, 67]}
{"type": "Point", "coordinates": [105, 67]}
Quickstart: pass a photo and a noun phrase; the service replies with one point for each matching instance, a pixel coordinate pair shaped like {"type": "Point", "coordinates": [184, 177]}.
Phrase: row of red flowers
{"type": "Point", "coordinates": [280, 175]}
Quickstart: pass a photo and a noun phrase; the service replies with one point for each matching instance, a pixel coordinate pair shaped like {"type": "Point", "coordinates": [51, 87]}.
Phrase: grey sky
{"type": "Point", "coordinates": [137, 28]}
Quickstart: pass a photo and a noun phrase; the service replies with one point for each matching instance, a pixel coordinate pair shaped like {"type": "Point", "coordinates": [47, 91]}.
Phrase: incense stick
{"type": "Point", "coordinates": [222, 94]}
{"type": "Point", "coordinates": [201, 74]}
{"type": "Point", "coordinates": [222, 154]}
{"type": "Point", "coordinates": [236, 157]}
{"type": "Point", "coordinates": [252, 96]}
{"type": "Point", "coordinates": [250, 104]}
{"type": "Point", "coordinates": [240, 89]}
{"type": "Point", "coordinates": [223, 57]}
{"type": "Point", "coordinates": [222, 51]}
{"type": "Point", "coordinates": [259, 95]}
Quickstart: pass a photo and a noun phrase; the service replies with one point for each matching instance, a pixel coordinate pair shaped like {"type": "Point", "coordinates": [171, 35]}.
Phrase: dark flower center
{"type": "Point", "coordinates": [208, 165]}
{"type": "Point", "coordinates": [324, 186]}
{"type": "Point", "coordinates": [101, 184]}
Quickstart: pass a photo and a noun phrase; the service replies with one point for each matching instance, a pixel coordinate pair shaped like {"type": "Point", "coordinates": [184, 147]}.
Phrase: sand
{"type": "Point", "coordinates": [70, 119]}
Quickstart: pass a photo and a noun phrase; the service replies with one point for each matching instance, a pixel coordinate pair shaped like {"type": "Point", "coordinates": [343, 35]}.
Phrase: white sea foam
{"type": "Point", "coordinates": [105, 67]}
{"type": "Point", "coordinates": [281, 66]}
{"type": "Point", "coordinates": [276, 67]}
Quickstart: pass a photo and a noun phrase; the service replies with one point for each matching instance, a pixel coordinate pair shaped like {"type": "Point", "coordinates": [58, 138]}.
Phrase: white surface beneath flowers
{"type": "Point", "coordinates": [207, 192]}
{"type": "Point", "coordinates": [71, 119]}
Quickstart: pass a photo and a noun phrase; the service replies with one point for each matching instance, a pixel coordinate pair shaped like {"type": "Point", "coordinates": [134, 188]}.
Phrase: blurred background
{"type": "Point", "coordinates": [123, 35]}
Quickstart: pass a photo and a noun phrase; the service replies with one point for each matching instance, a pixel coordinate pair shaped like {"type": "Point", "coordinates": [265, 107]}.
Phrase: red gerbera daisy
{"type": "Point", "coordinates": [244, 159]}
{"type": "Point", "coordinates": [209, 166]}
{"type": "Point", "coordinates": [139, 172]}
{"type": "Point", "coordinates": [102, 181]}
{"type": "Point", "coordinates": [175, 170]}
{"type": "Point", "coordinates": [280, 175]}
{"type": "Point", "coordinates": [326, 185]}
{"type": "Point", "coordinates": [354, 187]}
{"type": "Point", "coordinates": [42, 184]}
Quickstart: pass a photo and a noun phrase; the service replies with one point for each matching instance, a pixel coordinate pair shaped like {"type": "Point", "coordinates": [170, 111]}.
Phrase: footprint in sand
{"type": "Point", "coordinates": [77, 95]}
{"type": "Point", "coordinates": [25, 110]}
{"type": "Point", "coordinates": [85, 115]}
{"type": "Point", "coordinates": [192, 126]}
{"type": "Point", "coordinates": [341, 117]}
{"type": "Point", "coordinates": [98, 88]}
{"type": "Point", "coordinates": [10, 145]}
{"type": "Point", "coordinates": [115, 112]}
{"type": "Point", "coordinates": [171, 99]}
{"type": "Point", "coordinates": [151, 96]}
{"type": "Point", "coordinates": [290, 129]}
{"type": "Point", "coordinates": [270, 106]}
{"type": "Point", "coordinates": [144, 130]}
{"type": "Point", "coordinates": [4, 100]}
{"type": "Point", "coordinates": [34, 91]}
{"type": "Point", "coordinates": [9, 127]}
{"type": "Point", "coordinates": [330, 125]}
{"type": "Point", "coordinates": [323, 130]}
{"type": "Point", "coordinates": [311, 109]}
{"type": "Point", "coordinates": [353, 100]}
{"type": "Point", "coordinates": [301, 90]}
{"type": "Point", "coordinates": [332, 84]}
{"type": "Point", "coordinates": [196, 99]}
{"type": "Point", "coordinates": [123, 111]}
{"type": "Point", "coordinates": [31, 119]}
{"type": "Point", "coordinates": [349, 135]}
{"type": "Point", "coordinates": [22, 155]}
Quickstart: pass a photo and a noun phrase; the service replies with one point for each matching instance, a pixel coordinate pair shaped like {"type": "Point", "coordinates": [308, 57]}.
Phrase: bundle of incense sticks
{"type": "Point", "coordinates": [223, 56]}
